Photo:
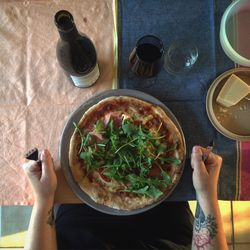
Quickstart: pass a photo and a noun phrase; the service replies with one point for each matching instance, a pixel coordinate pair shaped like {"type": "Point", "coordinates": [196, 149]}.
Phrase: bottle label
{"type": "Point", "coordinates": [86, 80]}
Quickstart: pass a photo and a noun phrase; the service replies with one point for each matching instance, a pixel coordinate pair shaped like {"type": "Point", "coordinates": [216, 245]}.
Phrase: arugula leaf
{"type": "Point", "coordinates": [161, 148]}
{"type": "Point", "coordinates": [99, 127]}
{"type": "Point", "coordinates": [78, 129]}
{"type": "Point", "coordinates": [145, 186]}
{"type": "Point", "coordinates": [126, 144]}
{"type": "Point", "coordinates": [154, 192]}
{"type": "Point", "coordinates": [110, 128]}
{"type": "Point", "coordinates": [171, 160]}
{"type": "Point", "coordinates": [129, 128]}
{"type": "Point", "coordinates": [112, 172]}
{"type": "Point", "coordinates": [87, 156]}
{"type": "Point", "coordinates": [81, 135]}
{"type": "Point", "coordinates": [166, 177]}
{"type": "Point", "coordinates": [141, 190]}
{"type": "Point", "coordinates": [150, 191]}
{"type": "Point", "coordinates": [86, 140]}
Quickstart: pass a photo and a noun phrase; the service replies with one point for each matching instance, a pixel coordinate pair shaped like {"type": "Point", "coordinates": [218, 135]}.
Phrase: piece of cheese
{"type": "Point", "coordinates": [233, 91]}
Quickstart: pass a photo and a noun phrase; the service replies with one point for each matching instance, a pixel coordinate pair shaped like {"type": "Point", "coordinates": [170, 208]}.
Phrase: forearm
{"type": "Point", "coordinates": [208, 232]}
{"type": "Point", "coordinates": [41, 232]}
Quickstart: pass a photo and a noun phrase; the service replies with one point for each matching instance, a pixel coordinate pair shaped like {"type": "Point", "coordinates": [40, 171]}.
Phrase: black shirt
{"type": "Point", "coordinates": [167, 226]}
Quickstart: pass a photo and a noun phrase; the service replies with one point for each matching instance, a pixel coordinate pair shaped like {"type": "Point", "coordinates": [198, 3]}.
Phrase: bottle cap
{"type": "Point", "coordinates": [64, 20]}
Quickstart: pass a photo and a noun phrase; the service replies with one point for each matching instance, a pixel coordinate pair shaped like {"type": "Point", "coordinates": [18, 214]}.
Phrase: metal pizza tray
{"type": "Point", "coordinates": [69, 129]}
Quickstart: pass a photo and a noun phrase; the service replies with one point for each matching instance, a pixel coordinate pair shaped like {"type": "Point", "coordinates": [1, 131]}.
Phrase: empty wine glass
{"type": "Point", "coordinates": [180, 56]}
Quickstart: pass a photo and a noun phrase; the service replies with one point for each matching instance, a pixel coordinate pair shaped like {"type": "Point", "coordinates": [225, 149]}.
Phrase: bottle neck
{"type": "Point", "coordinates": [69, 35]}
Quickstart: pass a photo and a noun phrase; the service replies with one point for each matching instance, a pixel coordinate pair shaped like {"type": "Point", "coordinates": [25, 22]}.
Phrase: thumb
{"type": "Point", "coordinates": [197, 161]}
{"type": "Point", "coordinates": [47, 163]}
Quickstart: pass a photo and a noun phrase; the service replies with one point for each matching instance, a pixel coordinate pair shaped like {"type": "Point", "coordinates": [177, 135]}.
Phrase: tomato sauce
{"type": "Point", "coordinates": [155, 171]}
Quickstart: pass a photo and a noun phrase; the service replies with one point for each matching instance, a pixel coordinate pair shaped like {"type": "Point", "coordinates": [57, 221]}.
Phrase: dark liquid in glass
{"type": "Point", "coordinates": [148, 52]}
{"type": "Point", "coordinates": [146, 60]}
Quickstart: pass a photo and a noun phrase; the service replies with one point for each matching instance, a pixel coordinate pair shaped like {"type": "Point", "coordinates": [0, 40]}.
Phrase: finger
{"type": "Point", "coordinates": [214, 163]}
{"type": "Point", "coordinates": [205, 153]}
{"type": "Point", "coordinates": [196, 155]}
{"type": "Point", "coordinates": [31, 167]}
{"type": "Point", "coordinates": [47, 163]}
{"type": "Point", "coordinates": [214, 159]}
{"type": "Point", "coordinates": [33, 171]}
{"type": "Point", "coordinates": [197, 161]}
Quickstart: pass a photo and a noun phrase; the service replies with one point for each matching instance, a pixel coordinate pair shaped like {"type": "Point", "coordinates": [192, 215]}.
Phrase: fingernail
{"type": "Point", "coordinates": [42, 155]}
{"type": "Point", "coordinates": [45, 153]}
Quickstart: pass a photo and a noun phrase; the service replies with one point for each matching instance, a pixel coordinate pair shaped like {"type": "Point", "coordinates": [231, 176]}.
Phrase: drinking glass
{"type": "Point", "coordinates": [180, 56]}
{"type": "Point", "coordinates": [146, 59]}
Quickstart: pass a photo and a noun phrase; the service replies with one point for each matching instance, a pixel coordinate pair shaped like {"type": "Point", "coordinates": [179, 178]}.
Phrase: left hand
{"type": "Point", "coordinates": [42, 178]}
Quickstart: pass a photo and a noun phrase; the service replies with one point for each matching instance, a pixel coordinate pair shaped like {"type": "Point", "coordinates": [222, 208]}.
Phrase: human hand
{"type": "Point", "coordinates": [205, 174]}
{"type": "Point", "coordinates": [42, 177]}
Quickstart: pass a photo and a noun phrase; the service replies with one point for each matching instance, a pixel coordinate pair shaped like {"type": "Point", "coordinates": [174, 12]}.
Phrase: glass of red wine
{"type": "Point", "coordinates": [146, 59]}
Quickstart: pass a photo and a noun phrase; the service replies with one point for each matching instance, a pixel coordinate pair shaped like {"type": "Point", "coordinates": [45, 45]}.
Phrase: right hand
{"type": "Point", "coordinates": [42, 177]}
{"type": "Point", "coordinates": [205, 174]}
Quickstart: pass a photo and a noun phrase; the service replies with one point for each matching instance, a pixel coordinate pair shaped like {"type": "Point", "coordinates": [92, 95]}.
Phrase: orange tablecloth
{"type": "Point", "coordinates": [36, 97]}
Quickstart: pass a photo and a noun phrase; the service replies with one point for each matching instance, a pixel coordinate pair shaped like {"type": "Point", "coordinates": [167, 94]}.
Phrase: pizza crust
{"type": "Point", "coordinates": [99, 193]}
{"type": "Point", "coordinates": [101, 196]}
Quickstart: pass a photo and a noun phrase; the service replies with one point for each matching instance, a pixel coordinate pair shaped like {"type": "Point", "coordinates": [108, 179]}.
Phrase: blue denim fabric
{"type": "Point", "coordinates": [184, 94]}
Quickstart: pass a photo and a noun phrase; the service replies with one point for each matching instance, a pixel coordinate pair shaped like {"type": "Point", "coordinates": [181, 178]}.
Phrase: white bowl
{"type": "Point", "coordinates": [233, 20]}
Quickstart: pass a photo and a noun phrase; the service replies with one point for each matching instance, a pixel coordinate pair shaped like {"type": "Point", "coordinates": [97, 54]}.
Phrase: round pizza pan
{"type": "Point", "coordinates": [233, 122]}
{"type": "Point", "coordinates": [69, 129]}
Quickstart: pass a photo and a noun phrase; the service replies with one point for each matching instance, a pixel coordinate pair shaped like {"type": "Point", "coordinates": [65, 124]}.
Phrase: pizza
{"type": "Point", "coordinates": [126, 153]}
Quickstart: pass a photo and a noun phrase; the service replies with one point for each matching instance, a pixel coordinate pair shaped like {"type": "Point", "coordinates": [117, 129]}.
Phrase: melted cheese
{"type": "Point", "coordinates": [233, 91]}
